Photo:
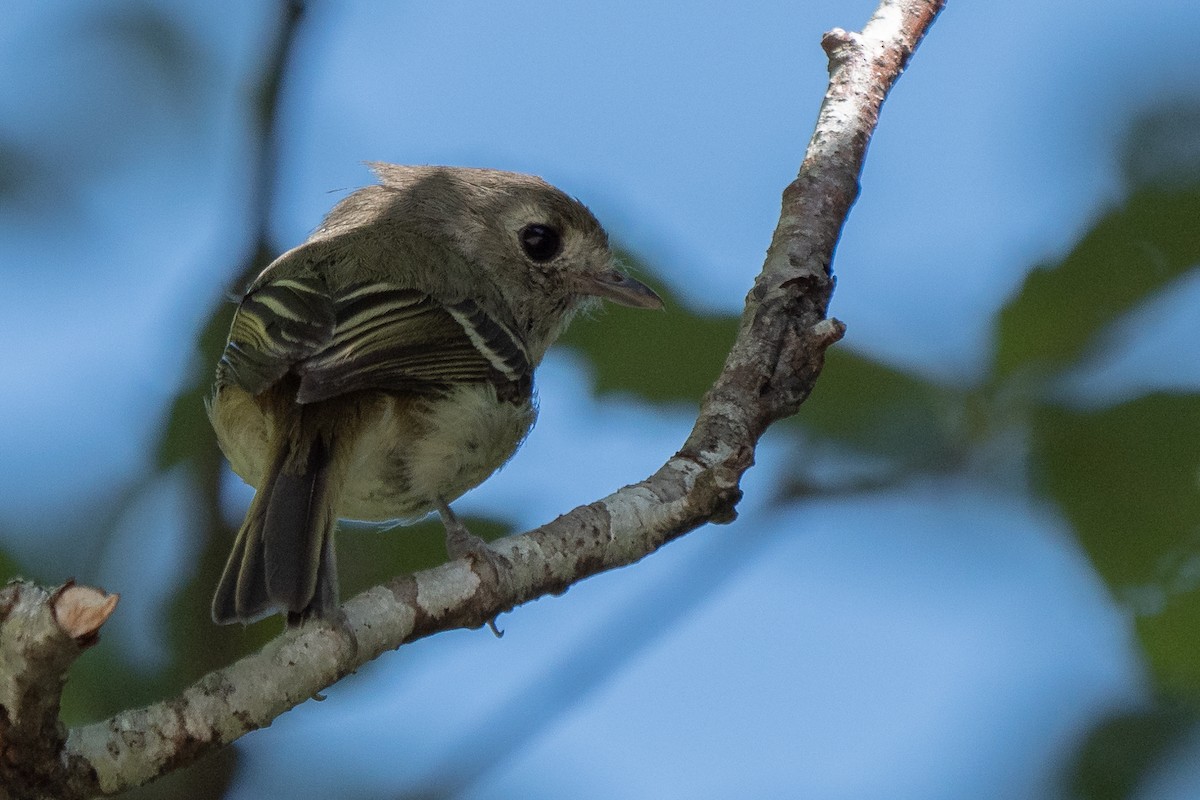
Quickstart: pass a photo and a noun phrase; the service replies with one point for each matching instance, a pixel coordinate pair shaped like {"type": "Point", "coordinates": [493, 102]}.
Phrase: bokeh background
{"type": "Point", "coordinates": [967, 568]}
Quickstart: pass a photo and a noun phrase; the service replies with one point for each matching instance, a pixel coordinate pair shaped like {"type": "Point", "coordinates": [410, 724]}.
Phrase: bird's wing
{"type": "Point", "coordinates": [278, 324]}
{"type": "Point", "coordinates": [399, 339]}
{"type": "Point", "coordinates": [372, 335]}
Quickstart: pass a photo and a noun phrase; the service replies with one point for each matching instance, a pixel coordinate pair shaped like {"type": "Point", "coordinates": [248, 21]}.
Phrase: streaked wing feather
{"type": "Point", "coordinates": [494, 341]}
{"type": "Point", "coordinates": [276, 325]}
{"type": "Point", "coordinates": [395, 339]}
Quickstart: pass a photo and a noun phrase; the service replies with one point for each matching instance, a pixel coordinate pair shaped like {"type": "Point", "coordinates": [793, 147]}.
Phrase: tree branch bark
{"type": "Point", "coordinates": [770, 370]}
{"type": "Point", "coordinates": [41, 634]}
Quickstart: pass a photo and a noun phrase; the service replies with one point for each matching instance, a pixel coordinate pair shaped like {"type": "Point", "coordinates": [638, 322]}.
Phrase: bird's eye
{"type": "Point", "coordinates": [540, 242]}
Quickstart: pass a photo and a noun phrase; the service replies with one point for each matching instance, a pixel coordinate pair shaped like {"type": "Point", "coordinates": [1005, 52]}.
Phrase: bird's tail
{"type": "Point", "coordinates": [283, 556]}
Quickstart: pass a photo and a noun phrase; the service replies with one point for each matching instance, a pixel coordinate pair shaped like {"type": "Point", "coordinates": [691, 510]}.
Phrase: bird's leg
{"type": "Point", "coordinates": [461, 543]}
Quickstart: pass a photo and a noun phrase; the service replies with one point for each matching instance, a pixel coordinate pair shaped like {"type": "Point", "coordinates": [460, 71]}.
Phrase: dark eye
{"type": "Point", "coordinates": [541, 242]}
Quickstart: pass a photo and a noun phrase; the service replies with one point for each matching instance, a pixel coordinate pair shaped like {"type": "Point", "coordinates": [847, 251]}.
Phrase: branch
{"type": "Point", "coordinates": [41, 635]}
{"type": "Point", "coordinates": [770, 370]}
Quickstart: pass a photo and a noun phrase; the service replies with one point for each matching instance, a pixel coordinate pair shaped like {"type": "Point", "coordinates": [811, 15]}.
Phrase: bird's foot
{"type": "Point", "coordinates": [461, 543]}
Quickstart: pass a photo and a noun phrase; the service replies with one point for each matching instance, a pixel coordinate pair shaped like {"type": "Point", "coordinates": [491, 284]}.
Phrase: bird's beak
{"type": "Point", "coordinates": [620, 288]}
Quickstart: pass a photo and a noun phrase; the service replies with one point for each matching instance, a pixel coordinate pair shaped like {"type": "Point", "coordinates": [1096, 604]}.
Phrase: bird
{"type": "Point", "coordinates": [384, 367]}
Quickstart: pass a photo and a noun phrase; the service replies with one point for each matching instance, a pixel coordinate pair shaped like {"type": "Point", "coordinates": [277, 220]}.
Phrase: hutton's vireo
{"type": "Point", "coordinates": [385, 366]}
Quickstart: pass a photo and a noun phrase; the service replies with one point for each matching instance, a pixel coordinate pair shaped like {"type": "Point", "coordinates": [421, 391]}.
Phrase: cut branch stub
{"type": "Point", "coordinates": [81, 610]}
{"type": "Point", "coordinates": [41, 634]}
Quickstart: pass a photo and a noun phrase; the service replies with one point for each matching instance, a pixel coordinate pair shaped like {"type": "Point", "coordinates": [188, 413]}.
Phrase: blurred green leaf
{"type": "Point", "coordinates": [885, 411]}
{"type": "Point", "coordinates": [208, 779]}
{"type": "Point", "coordinates": [156, 47]}
{"type": "Point", "coordinates": [187, 430]}
{"type": "Point", "coordinates": [1121, 751]}
{"type": "Point", "coordinates": [28, 182]}
{"type": "Point", "coordinates": [369, 555]}
{"type": "Point", "coordinates": [8, 567]}
{"type": "Point", "coordinates": [187, 424]}
{"type": "Point", "coordinates": [1130, 253]}
{"type": "Point", "coordinates": [1163, 147]}
{"type": "Point", "coordinates": [1171, 639]}
{"type": "Point", "coordinates": [105, 682]}
{"type": "Point", "coordinates": [1128, 478]}
{"type": "Point", "coordinates": [875, 408]}
{"type": "Point", "coordinates": [660, 356]}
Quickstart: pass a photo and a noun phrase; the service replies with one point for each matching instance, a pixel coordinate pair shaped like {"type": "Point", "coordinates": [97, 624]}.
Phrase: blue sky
{"type": "Point", "coordinates": [941, 640]}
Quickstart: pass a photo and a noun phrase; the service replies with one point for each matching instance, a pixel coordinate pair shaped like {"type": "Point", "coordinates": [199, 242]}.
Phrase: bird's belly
{"type": "Point", "coordinates": [412, 454]}
{"type": "Point", "coordinates": [407, 453]}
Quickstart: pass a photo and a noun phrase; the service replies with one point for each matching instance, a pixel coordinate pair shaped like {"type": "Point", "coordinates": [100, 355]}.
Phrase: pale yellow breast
{"type": "Point", "coordinates": [400, 455]}
{"type": "Point", "coordinates": [439, 448]}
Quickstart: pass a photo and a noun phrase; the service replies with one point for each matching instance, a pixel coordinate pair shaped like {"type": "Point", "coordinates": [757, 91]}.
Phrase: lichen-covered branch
{"type": "Point", "coordinates": [770, 370]}
{"type": "Point", "coordinates": [41, 634]}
